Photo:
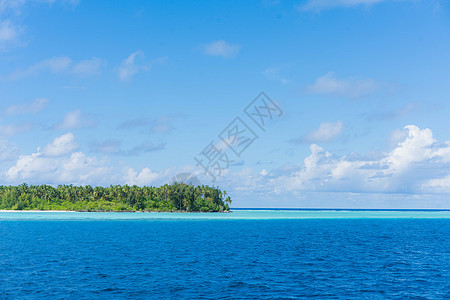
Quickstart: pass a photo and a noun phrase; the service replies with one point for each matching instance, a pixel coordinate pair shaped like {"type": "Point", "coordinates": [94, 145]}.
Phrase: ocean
{"type": "Point", "coordinates": [246, 254]}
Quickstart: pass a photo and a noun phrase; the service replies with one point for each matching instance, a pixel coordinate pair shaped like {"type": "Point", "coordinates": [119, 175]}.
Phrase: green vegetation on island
{"type": "Point", "coordinates": [175, 197]}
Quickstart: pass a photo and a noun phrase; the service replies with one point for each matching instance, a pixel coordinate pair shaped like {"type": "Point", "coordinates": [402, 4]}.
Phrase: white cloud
{"type": "Point", "coordinates": [439, 185]}
{"type": "Point", "coordinates": [75, 169]}
{"type": "Point", "coordinates": [221, 48]}
{"type": "Point", "coordinates": [61, 145]}
{"type": "Point", "coordinates": [353, 88]}
{"type": "Point", "coordinates": [144, 177]}
{"type": "Point", "coordinates": [81, 169]}
{"type": "Point", "coordinates": [397, 136]}
{"type": "Point", "coordinates": [32, 107]}
{"type": "Point", "coordinates": [275, 74]}
{"type": "Point", "coordinates": [74, 120]}
{"type": "Point", "coordinates": [325, 133]}
{"type": "Point", "coordinates": [30, 167]}
{"type": "Point", "coordinates": [317, 5]}
{"type": "Point", "coordinates": [128, 68]}
{"type": "Point", "coordinates": [134, 64]}
{"type": "Point", "coordinates": [58, 164]}
{"type": "Point", "coordinates": [418, 164]}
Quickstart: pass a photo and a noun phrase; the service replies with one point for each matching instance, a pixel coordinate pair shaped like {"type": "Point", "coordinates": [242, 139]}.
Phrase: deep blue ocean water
{"type": "Point", "coordinates": [241, 255]}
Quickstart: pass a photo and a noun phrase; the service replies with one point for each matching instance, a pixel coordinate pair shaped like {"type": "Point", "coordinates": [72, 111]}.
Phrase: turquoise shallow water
{"type": "Point", "coordinates": [240, 255]}
{"type": "Point", "coordinates": [235, 215]}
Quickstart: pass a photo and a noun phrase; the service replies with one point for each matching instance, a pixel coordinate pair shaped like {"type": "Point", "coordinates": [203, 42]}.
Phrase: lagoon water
{"type": "Point", "coordinates": [246, 254]}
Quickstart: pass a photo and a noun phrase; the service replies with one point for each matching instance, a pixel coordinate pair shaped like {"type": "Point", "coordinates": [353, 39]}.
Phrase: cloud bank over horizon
{"type": "Point", "coordinates": [418, 164]}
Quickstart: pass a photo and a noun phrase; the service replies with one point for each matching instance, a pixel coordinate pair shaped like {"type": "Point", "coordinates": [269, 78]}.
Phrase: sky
{"type": "Point", "coordinates": [313, 103]}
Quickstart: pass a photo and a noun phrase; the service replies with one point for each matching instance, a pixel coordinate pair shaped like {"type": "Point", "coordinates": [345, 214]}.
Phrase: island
{"type": "Point", "coordinates": [176, 197]}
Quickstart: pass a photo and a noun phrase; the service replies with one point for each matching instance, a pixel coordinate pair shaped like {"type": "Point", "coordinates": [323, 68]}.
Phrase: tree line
{"type": "Point", "coordinates": [173, 197]}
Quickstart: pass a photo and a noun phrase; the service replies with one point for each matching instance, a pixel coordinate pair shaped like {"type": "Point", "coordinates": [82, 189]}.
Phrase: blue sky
{"type": "Point", "coordinates": [129, 92]}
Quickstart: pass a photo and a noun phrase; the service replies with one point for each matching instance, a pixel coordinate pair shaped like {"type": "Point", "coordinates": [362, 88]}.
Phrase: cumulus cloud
{"type": "Point", "coordinates": [326, 132]}
{"type": "Point", "coordinates": [59, 164]}
{"type": "Point", "coordinates": [353, 88]}
{"type": "Point", "coordinates": [76, 169]}
{"type": "Point", "coordinates": [144, 177]}
{"type": "Point", "coordinates": [221, 48]}
{"type": "Point", "coordinates": [418, 164]}
{"type": "Point", "coordinates": [84, 169]}
{"type": "Point", "coordinates": [397, 136]}
{"type": "Point", "coordinates": [30, 167]}
{"type": "Point", "coordinates": [32, 107]}
{"type": "Point", "coordinates": [61, 145]}
{"type": "Point", "coordinates": [317, 5]}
